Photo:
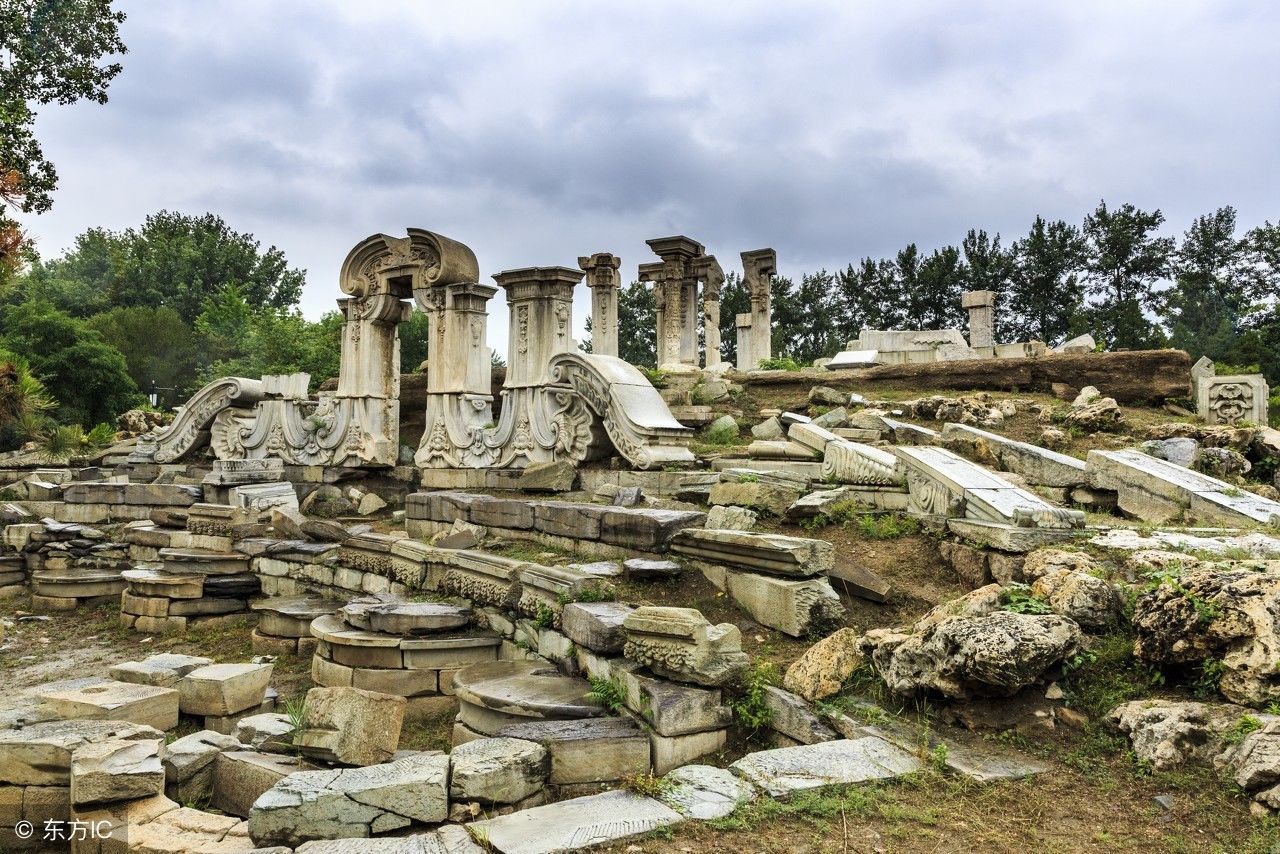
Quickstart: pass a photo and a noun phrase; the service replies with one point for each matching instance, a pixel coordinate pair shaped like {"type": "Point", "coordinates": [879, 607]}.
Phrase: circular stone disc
{"type": "Point", "coordinates": [526, 689]}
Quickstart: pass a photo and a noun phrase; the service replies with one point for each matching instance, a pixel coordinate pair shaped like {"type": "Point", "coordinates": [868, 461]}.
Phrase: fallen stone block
{"type": "Point", "coordinates": [498, 770]}
{"type": "Point", "coordinates": [594, 750]}
{"type": "Point", "coordinates": [117, 770]}
{"type": "Point", "coordinates": [352, 802]}
{"type": "Point", "coordinates": [108, 700]}
{"type": "Point", "coordinates": [705, 792]}
{"type": "Point", "coordinates": [164, 670]}
{"type": "Point", "coordinates": [681, 644]}
{"type": "Point", "coordinates": [574, 824]}
{"type": "Point", "coordinates": [351, 726]}
{"type": "Point", "coordinates": [787, 770]}
{"type": "Point", "coordinates": [224, 689]}
{"type": "Point", "coordinates": [240, 777]}
{"type": "Point", "coordinates": [188, 764]}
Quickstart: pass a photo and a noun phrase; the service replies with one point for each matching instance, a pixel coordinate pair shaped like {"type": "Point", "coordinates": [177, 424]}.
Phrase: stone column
{"type": "Point", "coordinates": [604, 281]}
{"type": "Point", "coordinates": [746, 347]}
{"type": "Point", "coordinates": [758, 269]}
{"type": "Point", "coordinates": [981, 308]}
{"type": "Point", "coordinates": [676, 296]}
{"type": "Point", "coordinates": [711, 275]}
{"type": "Point", "coordinates": [540, 300]}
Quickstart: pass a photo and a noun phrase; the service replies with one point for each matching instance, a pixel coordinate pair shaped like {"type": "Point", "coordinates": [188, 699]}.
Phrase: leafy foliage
{"type": "Point", "coordinates": [1017, 598]}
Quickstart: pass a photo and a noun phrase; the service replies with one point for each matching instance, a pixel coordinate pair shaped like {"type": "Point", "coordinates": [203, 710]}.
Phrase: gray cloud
{"type": "Point", "coordinates": [540, 131]}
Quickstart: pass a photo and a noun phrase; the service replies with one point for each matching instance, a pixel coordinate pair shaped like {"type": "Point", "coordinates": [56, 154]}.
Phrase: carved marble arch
{"type": "Point", "coordinates": [405, 266]}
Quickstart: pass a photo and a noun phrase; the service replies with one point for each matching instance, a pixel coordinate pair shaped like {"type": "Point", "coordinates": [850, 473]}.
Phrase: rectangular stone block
{"type": "Point", "coordinates": [647, 529]}
{"type": "Point", "coordinates": [108, 700]}
{"type": "Point", "coordinates": [566, 519]}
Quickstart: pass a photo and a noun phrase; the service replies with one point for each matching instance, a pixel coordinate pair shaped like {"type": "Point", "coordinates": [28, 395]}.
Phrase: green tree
{"type": "Point", "coordinates": [799, 330]}
{"type": "Point", "coordinates": [24, 403]}
{"type": "Point", "coordinates": [637, 325]}
{"type": "Point", "coordinates": [1261, 274]}
{"type": "Point", "coordinates": [413, 341]}
{"type": "Point", "coordinates": [1125, 260]}
{"type": "Point", "coordinates": [1207, 306]}
{"type": "Point", "coordinates": [88, 377]}
{"type": "Point", "coordinates": [1045, 296]}
{"type": "Point", "coordinates": [933, 302]}
{"type": "Point", "coordinates": [223, 324]}
{"type": "Point", "coordinates": [172, 260]}
{"type": "Point", "coordinates": [157, 346]}
{"type": "Point", "coordinates": [51, 51]}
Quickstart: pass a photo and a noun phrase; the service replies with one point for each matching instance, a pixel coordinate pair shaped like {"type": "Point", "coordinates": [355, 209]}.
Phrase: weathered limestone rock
{"type": "Point", "coordinates": [755, 495]}
{"type": "Point", "coordinates": [591, 750]}
{"type": "Point", "coordinates": [574, 824]}
{"type": "Point", "coordinates": [265, 730]}
{"type": "Point", "coordinates": [107, 700]}
{"type": "Point", "coordinates": [729, 518]}
{"type": "Point", "coordinates": [968, 648]}
{"type": "Point", "coordinates": [792, 717]}
{"type": "Point", "coordinates": [352, 802]}
{"type": "Point", "coordinates": [224, 689]}
{"type": "Point", "coordinates": [351, 726]}
{"type": "Point", "coordinates": [1254, 763]}
{"type": "Point", "coordinates": [595, 625]}
{"type": "Point", "coordinates": [1087, 599]}
{"type": "Point", "coordinates": [1179, 450]}
{"type": "Point", "coordinates": [824, 667]}
{"type": "Point", "coordinates": [41, 754]}
{"type": "Point", "coordinates": [117, 770]}
{"type": "Point", "coordinates": [1169, 733]}
{"type": "Point", "coordinates": [1227, 614]}
{"type": "Point", "coordinates": [787, 770]}
{"type": "Point", "coordinates": [240, 777]}
{"type": "Point", "coordinates": [164, 670]}
{"type": "Point", "coordinates": [705, 792]}
{"type": "Point", "coordinates": [498, 770]}
{"type": "Point", "coordinates": [681, 644]}
{"type": "Point", "coordinates": [557, 476]}
{"type": "Point", "coordinates": [188, 764]}
{"type": "Point", "coordinates": [772, 553]}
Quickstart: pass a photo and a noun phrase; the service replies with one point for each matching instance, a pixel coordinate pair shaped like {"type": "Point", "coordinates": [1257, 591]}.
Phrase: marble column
{"type": "Point", "coordinates": [604, 280]}
{"type": "Point", "coordinates": [540, 301]}
{"type": "Point", "coordinates": [981, 308]}
{"type": "Point", "coordinates": [758, 269]}
{"type": "Point", "coordinates": [676, 296]}
{"type": "Point", "coordinates": [711, 275]}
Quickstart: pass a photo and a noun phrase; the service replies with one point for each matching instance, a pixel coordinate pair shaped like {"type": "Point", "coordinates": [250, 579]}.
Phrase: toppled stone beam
{"type": "Point", "coordinates": [773, 553]}
{"type": "Point", "coordinates": [1160, 491]}
{"type": "Point", "coordinates": [1138, 376]}
{"type": "Point", "coordinates": [944, 484]}
{"type": "Point", "coordinates": [1040, 466]}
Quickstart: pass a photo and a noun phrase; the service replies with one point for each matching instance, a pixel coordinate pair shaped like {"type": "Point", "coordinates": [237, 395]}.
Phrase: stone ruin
{"type": "Point", "coordinates": [904, 347]}
{"type": "Point", "coordinates": [557, 403]}
{"type": "Point", "coordinates": [1232, 399]}
{"type": "Point", "coordinates": [557, 689]}
{"type": "Point", "coordinates": [675, 280]}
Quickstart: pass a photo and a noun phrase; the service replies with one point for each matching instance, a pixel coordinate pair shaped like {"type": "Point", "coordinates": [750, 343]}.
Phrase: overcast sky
{"type": "Point", "coordinates": [539, 131]}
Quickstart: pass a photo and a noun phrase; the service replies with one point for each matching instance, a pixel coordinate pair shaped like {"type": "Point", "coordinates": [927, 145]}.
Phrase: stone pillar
{"type": "Point", "coordinates": [745, 345]}
{"type": "Point", "coordinates": [711, 275]}
{"type": "Point", "coordinates": [981, 308]}
{"type": "Point", "coordinates": [758, 269]}
{"type": "Point", "coordinates": [676, 296]}
{"type": "Point", "coordinates": [540, 301]}
{"type": "Point", "coordinates": [653, 273]}
{"type": "Point", "coordinates": [604, 280]}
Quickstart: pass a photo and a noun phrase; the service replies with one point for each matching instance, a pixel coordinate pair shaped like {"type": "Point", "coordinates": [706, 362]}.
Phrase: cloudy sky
{"type": "Point", "coordinates": [539, 130]}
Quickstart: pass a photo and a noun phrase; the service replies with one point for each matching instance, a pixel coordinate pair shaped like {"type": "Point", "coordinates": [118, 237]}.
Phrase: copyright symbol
{"type": "Point", "coordinates": [24, 830]}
